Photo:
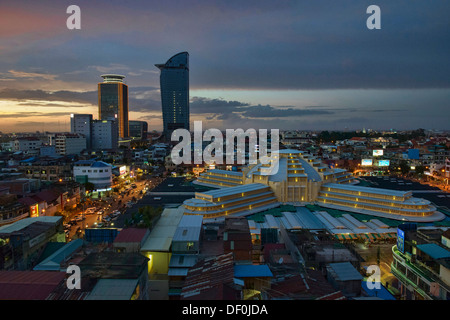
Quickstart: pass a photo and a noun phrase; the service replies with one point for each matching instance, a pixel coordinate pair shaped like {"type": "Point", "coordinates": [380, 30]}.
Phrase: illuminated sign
{"type": "Point", "coordinates": [366, 162]}
{"type": "Point", "coordinates": [383, 163]}
{"type": "Point", "coordinates": [34, 211]}
{"type": "Point", "coordinates": [401, 240]}
{"type": "Point", "coordinates": [377, 153]}
{"type": "Point", "coordinates": [122, 170]}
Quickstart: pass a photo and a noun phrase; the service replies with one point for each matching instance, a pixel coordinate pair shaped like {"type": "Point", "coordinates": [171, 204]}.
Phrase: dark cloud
{"type": "Point", "coordinates": [17, 115]}
{"type": "Point", "coordinates": [267, 111]}
{"type": "Point", "coordinates": [69, 96]}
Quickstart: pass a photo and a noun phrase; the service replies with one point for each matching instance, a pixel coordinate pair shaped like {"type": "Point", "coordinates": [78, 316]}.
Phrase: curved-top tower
{"type": "Point", "coordinates": [174, 82]}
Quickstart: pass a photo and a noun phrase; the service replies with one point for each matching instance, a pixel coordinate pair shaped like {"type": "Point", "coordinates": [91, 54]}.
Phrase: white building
{"type": "Point", "coordinates": [98, 173]}
{"type": "Point", "coordinates": [70, 143]}
{"type": "Point", "coordinates": [27, 144]}
{"type": "Point", "coordinates": [105, 135]}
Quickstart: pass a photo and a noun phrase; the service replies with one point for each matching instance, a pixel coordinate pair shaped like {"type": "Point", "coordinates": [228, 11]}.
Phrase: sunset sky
{"type": "Point", "coordinates": [253, 64]}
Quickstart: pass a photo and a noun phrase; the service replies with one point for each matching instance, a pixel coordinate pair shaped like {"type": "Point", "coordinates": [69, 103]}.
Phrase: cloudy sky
{"type": "Point", "coordinates": [253, 64]}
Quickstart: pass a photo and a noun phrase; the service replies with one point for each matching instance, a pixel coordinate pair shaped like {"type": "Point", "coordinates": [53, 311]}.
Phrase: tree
{"type": "Point", "coordinates": [404, 167]}
{"type": "Point", "coordinates": [88, 186]}
{"type": "Point", "coordinates": [420, 170]}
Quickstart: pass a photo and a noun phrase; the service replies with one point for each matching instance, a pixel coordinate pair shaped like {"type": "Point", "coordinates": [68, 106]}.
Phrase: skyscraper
{"type": "Point", "coordinates": [113, 101]}
{"type": "Point", "coordinates": [174, 82]}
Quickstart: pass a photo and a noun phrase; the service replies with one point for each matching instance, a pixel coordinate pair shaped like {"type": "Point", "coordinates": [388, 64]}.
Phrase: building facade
{"type": "Point", "coordinates": [421, 263]}
{"type": "Point", "coordinates": [98, 173]}
{"type": "Point", "coordinates": [138, 129]}
{"type": "Point", "coordinates": [174, 82]}
{"type": "Point", "coordinates": [70, 143]}
{"type": "Point", "coordinates": [105, 135]}
{"type": "Point", "coordinates": [82, 124]}
{"type": "Point", "coordinates": [113, 102]}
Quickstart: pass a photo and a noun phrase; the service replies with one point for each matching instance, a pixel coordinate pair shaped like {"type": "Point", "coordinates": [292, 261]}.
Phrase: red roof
{"type": "Point", "coordinates": [29, 285]}
{"type": "Point", "coordinates": [131, 235]}
{"type": "Point", "coordinates": [29, 201]}
{"type": "Point", "coordinates": [47, 195]}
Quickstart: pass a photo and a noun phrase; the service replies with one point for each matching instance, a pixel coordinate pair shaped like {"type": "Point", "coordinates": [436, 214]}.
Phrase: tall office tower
{"type": "Point", "coordinates": [174, 82]}
{"type": "Point", "coordinates": [82, 124]}
{"type": "Point", "coordinates": [113, 102]}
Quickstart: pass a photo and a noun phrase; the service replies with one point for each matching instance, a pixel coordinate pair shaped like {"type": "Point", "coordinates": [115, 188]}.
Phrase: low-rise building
{"type": "Point", "coordinates": [421, 263]}
{"type": "Point", "coordinates": [21, 242]}
{"type": "Point", "coordinates": [98, 173]}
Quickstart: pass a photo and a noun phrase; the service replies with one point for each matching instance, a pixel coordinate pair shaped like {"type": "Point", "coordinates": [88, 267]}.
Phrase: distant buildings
{"type": "Point", "coordinates": [138, 129]}
{"type": "Point", "coordinates": [22, 242]}
{"type": "Point", "coordinates": [70, 143]}
{"type": "Point", "coordinates": [28, 145]}
{"type": "Point", "coordinates": [113, 102]}
{"type": "Point", "coordinates": [174, 81]}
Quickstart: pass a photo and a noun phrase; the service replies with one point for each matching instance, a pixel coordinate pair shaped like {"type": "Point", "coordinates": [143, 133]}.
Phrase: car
{"type": "Point", "coordinates": [100, 212]}
{"type": "Point", "coordinates": [90, 210]}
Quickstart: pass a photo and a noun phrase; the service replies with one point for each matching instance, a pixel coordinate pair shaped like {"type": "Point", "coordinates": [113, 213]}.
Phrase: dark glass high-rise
{"type": "Point", "coordinates": [174, 82]}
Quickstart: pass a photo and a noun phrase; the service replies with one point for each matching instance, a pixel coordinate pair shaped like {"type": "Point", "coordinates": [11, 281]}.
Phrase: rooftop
{"type": "Point", "coordinates": [131, 235]}
{"type": "Point", "coordinates": [434, 250]}
{"type": "Point", "coordinates": [28, 285]}
{"type": "Point", "coordinates": [345, 271]}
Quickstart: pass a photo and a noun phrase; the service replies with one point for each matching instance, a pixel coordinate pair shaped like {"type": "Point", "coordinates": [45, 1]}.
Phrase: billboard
{"type": "Point", "coordinates": [34, 211]}
{"type": "Point", "coordinates": [123, 170]}
{"type": "Point", "coordinates": [383, 163]}
{"type": "Point", "coordinates": [366, 162]}
{"type": "Point", "coordinates": [401, 240]}
{"type": "Point", "coordinates": [377, 153]}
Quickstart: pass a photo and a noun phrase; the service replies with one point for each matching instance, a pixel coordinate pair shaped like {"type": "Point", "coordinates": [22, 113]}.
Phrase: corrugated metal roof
{"type": "Point", "coordinates": [131, 235]}
{"type": "Point", "coordinates": [53, 262]}
{"type": "Point", "coordinates": [23, 223]}
{"type": "Point", "coordinates": [345, 271]}
{"type": "Point", "coordinates": [28, 285]}
{"type": "Point", "coordinates": [191, 221]}
{"type": "Point", "coordinates": [187, 234]}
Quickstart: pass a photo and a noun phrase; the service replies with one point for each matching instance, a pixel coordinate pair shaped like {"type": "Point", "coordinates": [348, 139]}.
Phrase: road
{"type": "Point", "coordinates": [117, 201]}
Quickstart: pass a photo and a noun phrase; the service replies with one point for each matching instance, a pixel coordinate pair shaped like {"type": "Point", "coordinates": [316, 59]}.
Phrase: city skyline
{"type": "Point", "coordinates": [261, 64]}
